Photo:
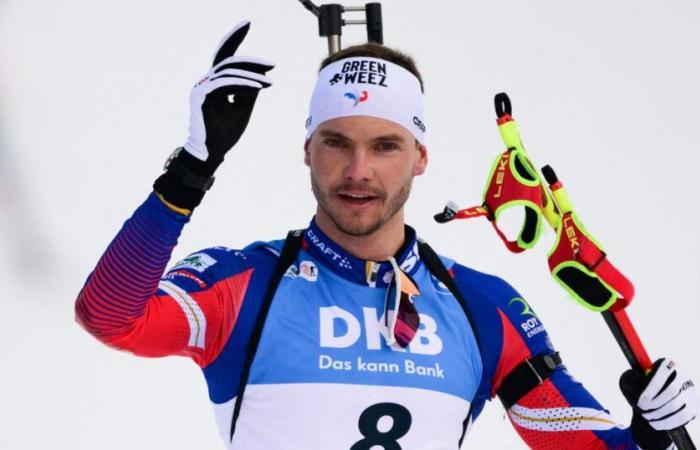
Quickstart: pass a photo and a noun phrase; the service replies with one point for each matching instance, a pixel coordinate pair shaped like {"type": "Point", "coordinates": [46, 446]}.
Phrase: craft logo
{"type": "Point", "coordinates": [308, 271]}
{"type": "Point", "coordinates": [357, 98]}
{"type": "Point", "coordinates": [337, 258]}
{"type": "Point", "coordinates": [308, 122]}
{"type": "Point", "coordinates": [419, 123]}
{"type": "Point", "coordinates": [361, 72]}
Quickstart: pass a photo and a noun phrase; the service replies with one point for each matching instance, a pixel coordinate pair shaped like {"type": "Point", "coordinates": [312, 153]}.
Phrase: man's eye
{"type": "Point", "coordinates": [331, 142]}
{"type": "Point", "coordinates": [386, 146]}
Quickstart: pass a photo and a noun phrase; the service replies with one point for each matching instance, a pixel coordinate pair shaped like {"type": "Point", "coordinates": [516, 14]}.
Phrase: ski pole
{"type": "Point", "coordinates": [616, 317]}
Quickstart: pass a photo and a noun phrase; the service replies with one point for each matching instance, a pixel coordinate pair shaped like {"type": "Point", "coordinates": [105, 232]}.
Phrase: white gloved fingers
{"type": "Point", "coordinates": [663, 386]}
{"type": "Point", "coordinates": [670, 399]}
{"type": "Point", "coordinates": [222, 101]}
{"type": "Point", "coordinates": [658, 383]}
{"type": "Point", "coordinates": [245, 75]}
{"type": "Point", "coordinates": [251, 63]}
{"type": "Point", "coordinates": [195, 144]}
{"type": "Point", "coordinates": [674, 407]}
{"type": "Point", "coordinates": [212, 85]}
{"type": "Point", "coordinates": [669, 423]}
{"type": "Point", "coordinates": [230, 43]}
{"type": "Point", "coordinates": [674, 414]}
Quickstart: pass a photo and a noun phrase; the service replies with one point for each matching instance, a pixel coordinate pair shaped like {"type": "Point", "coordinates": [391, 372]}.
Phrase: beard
{"type": "Point", "coordinates": [357, 224]}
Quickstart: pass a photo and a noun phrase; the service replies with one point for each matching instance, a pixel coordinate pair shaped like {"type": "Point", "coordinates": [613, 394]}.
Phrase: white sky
{"type": "Point", "coordinates": [93, 97]}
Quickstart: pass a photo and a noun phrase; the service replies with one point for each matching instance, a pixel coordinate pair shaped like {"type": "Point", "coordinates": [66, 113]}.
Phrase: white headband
{"type": "Point", "coordinates": [365, 86]}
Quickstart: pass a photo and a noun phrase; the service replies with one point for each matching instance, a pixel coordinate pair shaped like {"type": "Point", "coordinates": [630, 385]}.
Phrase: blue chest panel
{"type": "Point", "coordinates": [322, 328]}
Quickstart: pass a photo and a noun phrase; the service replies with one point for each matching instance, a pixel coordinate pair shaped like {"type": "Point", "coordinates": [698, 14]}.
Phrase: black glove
{"type": "Point", "coordinates": [662, 400]}
{"type": "Point", "coordinates": [220, 107]}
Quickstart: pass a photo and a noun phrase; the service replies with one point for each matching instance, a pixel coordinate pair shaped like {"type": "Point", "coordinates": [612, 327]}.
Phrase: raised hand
{"type": "Point", "coordinates": [220, 107]}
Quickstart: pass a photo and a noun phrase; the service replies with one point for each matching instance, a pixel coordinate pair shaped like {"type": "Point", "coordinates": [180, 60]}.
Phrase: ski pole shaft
{"type": "Point", "coordinates": [628, 339]}
{"type": "Point", "coordinates": [638, 358]}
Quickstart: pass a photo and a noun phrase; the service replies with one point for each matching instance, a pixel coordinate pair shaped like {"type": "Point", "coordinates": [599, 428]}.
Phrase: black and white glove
{"type": "Point", "coordinates": [220, 107]}
{"type": "Point", "coordinates": [662, 400]}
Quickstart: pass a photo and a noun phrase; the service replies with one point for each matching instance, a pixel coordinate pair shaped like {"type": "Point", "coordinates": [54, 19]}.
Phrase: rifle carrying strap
{"type": "Point", "coordinates": [288, 255]}
{"type": "Point", "coordinates": [438, 270]}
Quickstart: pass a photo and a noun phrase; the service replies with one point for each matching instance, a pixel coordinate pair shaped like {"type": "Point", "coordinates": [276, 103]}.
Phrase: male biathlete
{"type": "Point", "coordinates": [352, 333]}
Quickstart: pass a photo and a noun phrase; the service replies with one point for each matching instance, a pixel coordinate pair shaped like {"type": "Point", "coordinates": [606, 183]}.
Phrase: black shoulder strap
{"type": "Point", "coordinates": [437, 268]}
{"type": "Point", "coordinates": [289, 253]}
{"type": "Point", "coordinates": [528, 374]}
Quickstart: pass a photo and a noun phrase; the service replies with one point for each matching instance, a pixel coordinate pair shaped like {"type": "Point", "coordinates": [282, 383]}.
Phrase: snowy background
{"type": "Point", "coordinates": [94, 96]}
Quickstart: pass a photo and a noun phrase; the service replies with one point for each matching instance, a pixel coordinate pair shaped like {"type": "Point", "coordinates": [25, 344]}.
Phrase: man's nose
{"type": "Point", "coordinates": [359, 166]}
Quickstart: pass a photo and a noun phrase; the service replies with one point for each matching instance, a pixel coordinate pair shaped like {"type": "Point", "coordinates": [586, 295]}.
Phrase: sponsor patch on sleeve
{"type": "Point", "coordinates": [181, 273]}
{"type": "Point", "coordinates": [197, 261]}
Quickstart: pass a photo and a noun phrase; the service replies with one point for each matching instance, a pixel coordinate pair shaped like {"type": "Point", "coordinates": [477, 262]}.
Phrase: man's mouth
{"type": "Point", "coordinates": [357, 198]}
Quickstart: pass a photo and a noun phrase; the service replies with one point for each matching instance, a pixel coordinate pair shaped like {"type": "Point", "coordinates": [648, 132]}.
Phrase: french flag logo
{"type": "Point", "coordinates": [357, 98]}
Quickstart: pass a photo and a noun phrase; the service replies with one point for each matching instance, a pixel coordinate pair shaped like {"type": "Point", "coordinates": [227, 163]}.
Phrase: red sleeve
{"type": "Point", "coordinates": [558, 413]}
{"type": "Point", "coordinates": [176, 321]}
{"type": "Point", "coordinates": [191, 311]}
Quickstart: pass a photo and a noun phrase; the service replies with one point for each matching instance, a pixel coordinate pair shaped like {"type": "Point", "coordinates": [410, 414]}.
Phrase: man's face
{"type": "Point", "coordinates": [361, 171]}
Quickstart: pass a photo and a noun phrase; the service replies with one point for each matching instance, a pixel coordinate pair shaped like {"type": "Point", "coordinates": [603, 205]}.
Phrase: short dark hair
{"type": "Point", "coordinates": [376, 51]}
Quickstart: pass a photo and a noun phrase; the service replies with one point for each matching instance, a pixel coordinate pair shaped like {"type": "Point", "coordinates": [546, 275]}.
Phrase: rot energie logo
{"type": "Point", "coordinates": [357, 98]}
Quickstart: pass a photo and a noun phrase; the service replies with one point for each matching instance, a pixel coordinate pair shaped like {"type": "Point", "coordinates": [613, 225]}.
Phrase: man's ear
{"type": "Point", "coordinates": [307, 155]}
{"type": "Point", "coordinates": [422, 162]}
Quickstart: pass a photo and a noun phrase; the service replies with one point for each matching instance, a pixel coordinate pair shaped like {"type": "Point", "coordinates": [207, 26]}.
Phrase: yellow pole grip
{"type": "Point", "coordinates": [510, 135]}
{"type": "Point", "coordinates": [562, 199]}
{"type": "Point", "coordinates": [550, 212]}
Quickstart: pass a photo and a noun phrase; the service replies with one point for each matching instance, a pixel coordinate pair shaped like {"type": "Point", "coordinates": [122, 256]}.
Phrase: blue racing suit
{"type": "Point", "coordinates": [323, 376]}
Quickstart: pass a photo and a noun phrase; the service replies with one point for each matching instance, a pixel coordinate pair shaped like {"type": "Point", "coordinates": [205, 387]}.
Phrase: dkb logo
{"type": "Point", "coordinates": [341, 329]}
